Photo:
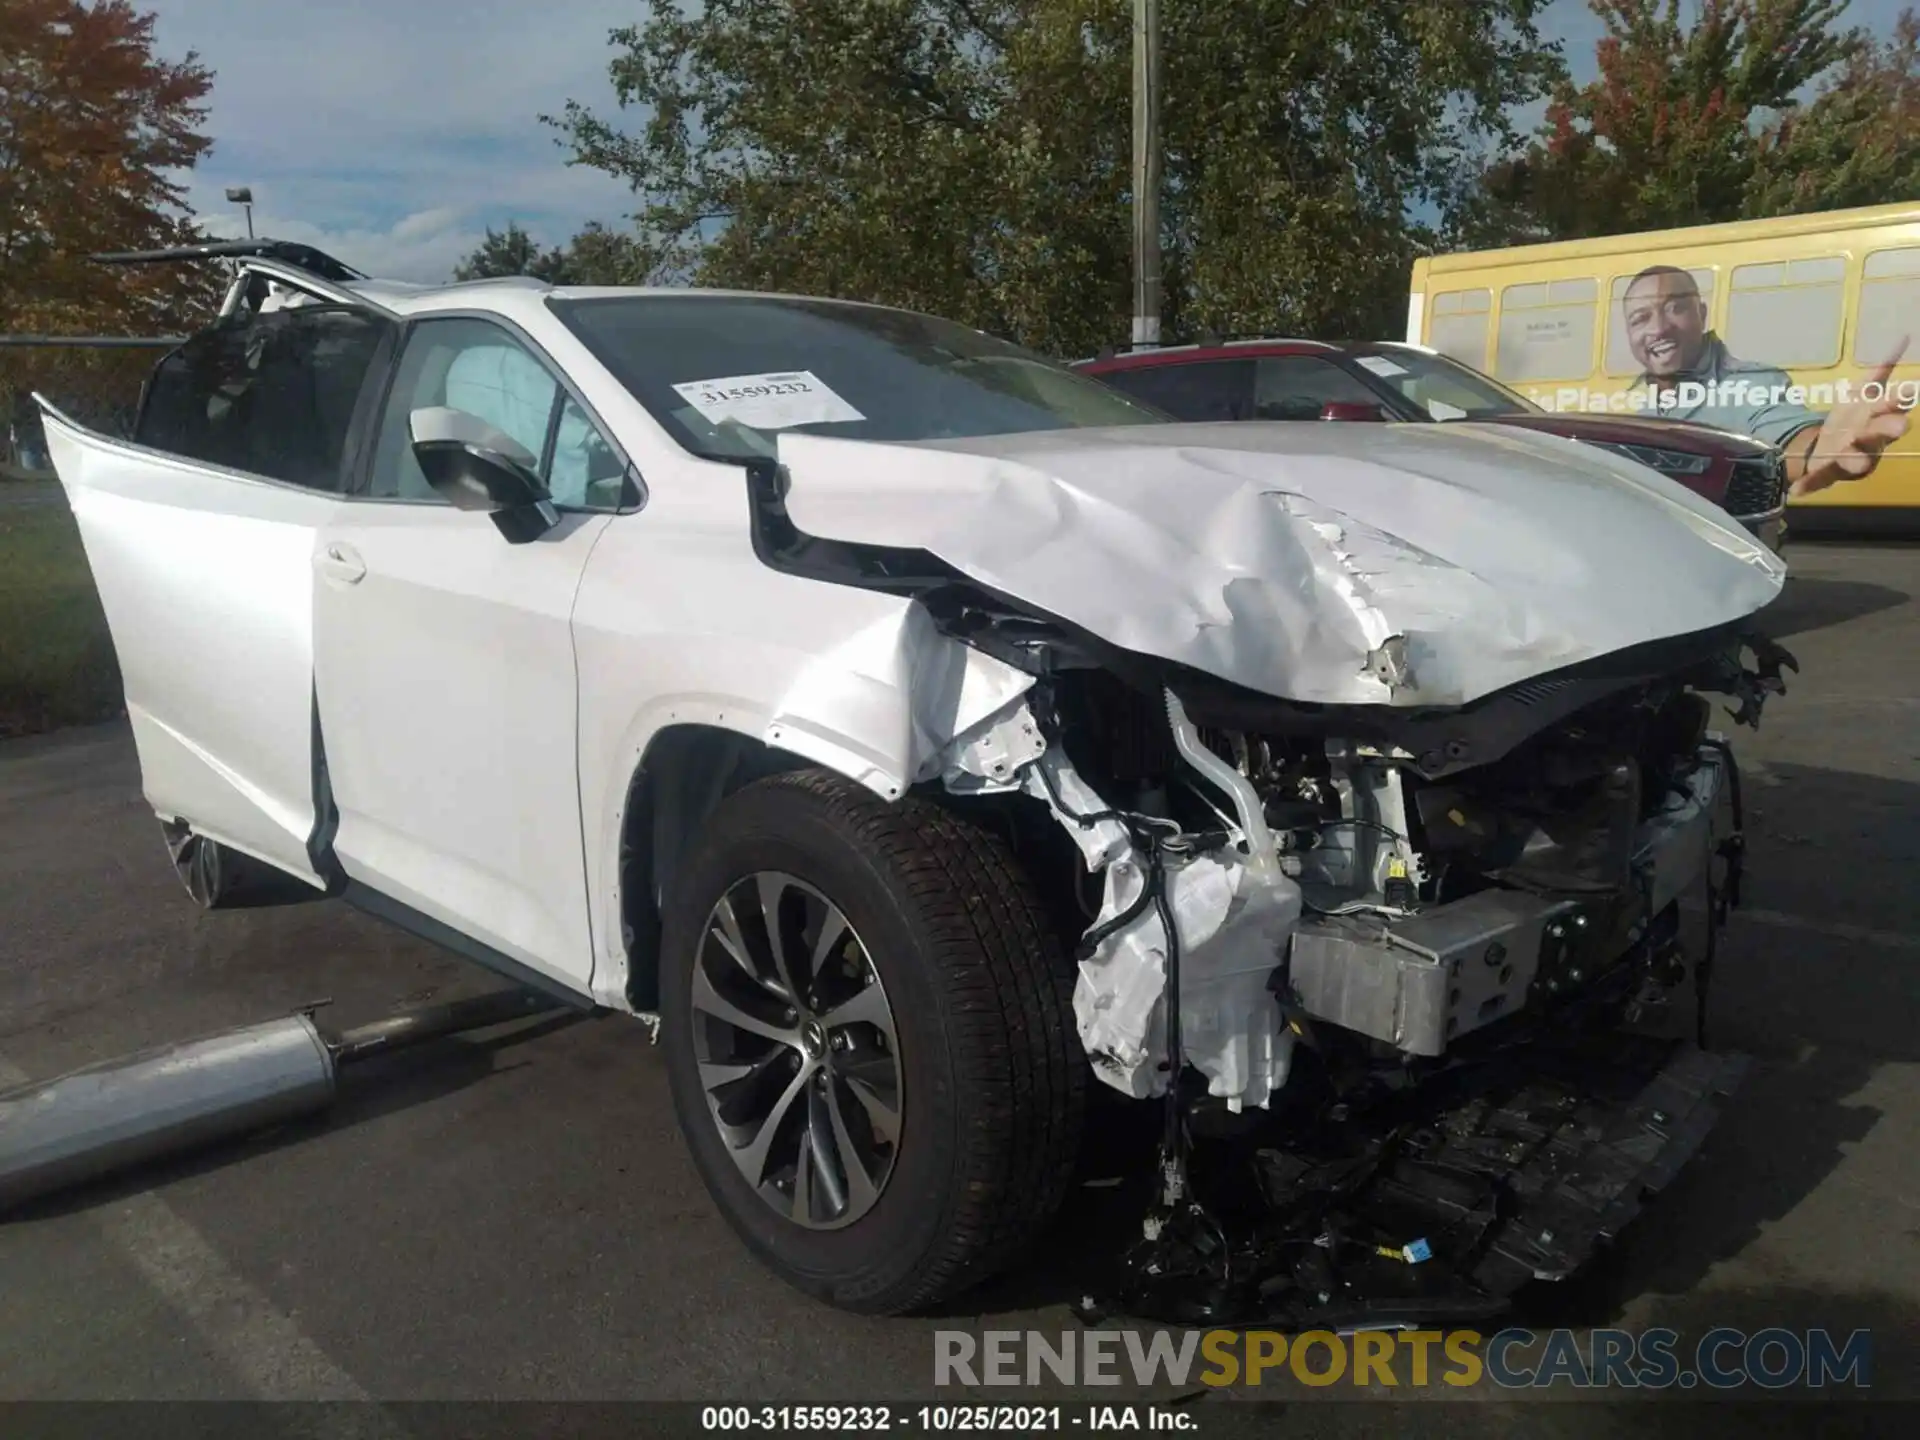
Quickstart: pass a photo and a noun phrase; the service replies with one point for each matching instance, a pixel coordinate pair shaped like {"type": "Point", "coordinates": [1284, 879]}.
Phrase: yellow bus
{"type": "Point", "coordinates": [1773, 321]}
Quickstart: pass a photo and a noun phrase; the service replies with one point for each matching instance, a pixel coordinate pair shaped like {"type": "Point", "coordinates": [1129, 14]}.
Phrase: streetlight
{"type": "Point", "coordinates": [242, 195]}
{"type": "Point", "coordinates": [1146, 173]}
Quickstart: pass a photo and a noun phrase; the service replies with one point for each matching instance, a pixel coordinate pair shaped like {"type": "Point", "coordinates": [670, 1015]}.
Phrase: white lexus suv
{"type": "Point", "coordinates": [913, 729]}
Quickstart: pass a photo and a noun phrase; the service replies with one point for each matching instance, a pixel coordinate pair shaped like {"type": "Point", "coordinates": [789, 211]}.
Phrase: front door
{"type": "Point", "coordinates": [201, 534]}
{"type": "Point", "coordinates": [447, 687]}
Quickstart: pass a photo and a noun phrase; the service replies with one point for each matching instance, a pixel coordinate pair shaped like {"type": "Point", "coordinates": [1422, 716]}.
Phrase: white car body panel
{"type": "Point", "coordinates": [1284, 556]}
{"type": "Point", "coordinates": [679, 623]}
{"type": "Point", "coordinates": [206, 578]}
{"type": "Point", "coordinates": [447, 697]}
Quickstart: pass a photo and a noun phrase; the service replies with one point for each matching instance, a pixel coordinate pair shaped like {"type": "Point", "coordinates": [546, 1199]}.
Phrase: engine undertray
{"type": "Point", "coordinates": [1433, 1204]}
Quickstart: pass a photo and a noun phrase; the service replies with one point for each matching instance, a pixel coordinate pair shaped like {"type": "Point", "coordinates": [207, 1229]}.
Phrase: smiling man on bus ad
{"type": "Point", "coordinates": [1689, 374]}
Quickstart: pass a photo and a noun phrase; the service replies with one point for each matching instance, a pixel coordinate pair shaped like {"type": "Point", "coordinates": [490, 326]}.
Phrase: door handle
{"type": "Point", "coordinates": [338, 561]}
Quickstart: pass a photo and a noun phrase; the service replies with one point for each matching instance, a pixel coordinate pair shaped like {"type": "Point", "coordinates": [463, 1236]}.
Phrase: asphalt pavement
{"type": "Point", "coordinates": [516, 1218]}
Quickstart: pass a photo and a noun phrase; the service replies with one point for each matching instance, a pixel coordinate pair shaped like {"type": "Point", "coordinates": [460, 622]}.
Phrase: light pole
{"type": "Point", "coordinates": [1146, 173]}
{"type": "Point", "coordinates": [242, 195]}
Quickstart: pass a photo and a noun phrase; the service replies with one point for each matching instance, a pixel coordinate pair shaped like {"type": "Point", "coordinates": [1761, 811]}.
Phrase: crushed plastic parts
{"type": "Point", "coordinates": [1400, 1167]}
{"type": "Point", "coordinates": [1433, 1206]}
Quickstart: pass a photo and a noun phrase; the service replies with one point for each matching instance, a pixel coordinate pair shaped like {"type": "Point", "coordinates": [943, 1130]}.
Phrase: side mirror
{"type": "Point", "coordinates": [1351, 410]}
{"type": "Point", "coordinates": [475, 466]}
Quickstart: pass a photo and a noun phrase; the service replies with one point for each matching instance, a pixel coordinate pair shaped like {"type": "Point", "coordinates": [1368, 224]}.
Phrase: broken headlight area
{"type": "Point", "coordinates": [1387, 995]}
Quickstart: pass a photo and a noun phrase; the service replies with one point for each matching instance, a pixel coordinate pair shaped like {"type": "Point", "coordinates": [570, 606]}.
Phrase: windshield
{"type": "Point", "coordinates": [1443, 389]}
{"type": "Point", "coordinates": [725, 374]}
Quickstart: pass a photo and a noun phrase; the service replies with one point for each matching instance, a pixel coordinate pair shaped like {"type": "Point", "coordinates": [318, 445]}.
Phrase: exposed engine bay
{"type": "Point", "coordinates": [1384, 971]}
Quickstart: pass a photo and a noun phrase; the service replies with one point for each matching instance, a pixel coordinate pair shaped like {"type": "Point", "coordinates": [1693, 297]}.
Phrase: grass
{"type": "Point", "coordinates": [56, 658]}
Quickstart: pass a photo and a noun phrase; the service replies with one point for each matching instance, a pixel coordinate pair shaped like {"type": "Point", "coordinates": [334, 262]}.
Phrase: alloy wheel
{"type": "Point", "coordinates": [797, 1050]}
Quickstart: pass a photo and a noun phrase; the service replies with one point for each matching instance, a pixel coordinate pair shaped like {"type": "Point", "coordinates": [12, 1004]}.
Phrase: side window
{"type": "Point", "coordinates": [1297, 387]}
{"type": "Point", "coordinates": [1787, 313]}
{"type": "Point", "coordinates": [1546, 330]}
{"type": "Point", "coordinates": [585, 469]}
{"type": "Point", "coordinates": [480, 368]}
{"type": "Point", "coordinates": [1195, 390]}
{"type": "Point", "coordinates": [272, 396]}
{"type": "Point", "coordinates": [1889, 306]}
{"type": "Point", "coordinates": [1458, 328]}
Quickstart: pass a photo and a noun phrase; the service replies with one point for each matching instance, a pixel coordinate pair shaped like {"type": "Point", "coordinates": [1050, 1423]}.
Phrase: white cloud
{"type": "Point", "coordinates": [422, 247]}
{"type": "Point", "coordinates": [394, 132]}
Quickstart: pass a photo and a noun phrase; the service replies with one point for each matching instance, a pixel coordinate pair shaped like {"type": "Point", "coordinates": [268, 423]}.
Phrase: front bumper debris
{"type": "Point", "coordinates": [1439, 1206]}
{"type": "Point", "coordinates": [1509, 1158]}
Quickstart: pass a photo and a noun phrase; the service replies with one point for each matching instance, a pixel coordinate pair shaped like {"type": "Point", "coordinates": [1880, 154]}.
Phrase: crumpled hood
{"type": "Point", "coordinates": [1285, 556]}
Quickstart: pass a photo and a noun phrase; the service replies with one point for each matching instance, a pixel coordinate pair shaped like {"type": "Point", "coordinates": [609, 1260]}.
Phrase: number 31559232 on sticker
{"type": "Point", "coordinates": [776, 400]}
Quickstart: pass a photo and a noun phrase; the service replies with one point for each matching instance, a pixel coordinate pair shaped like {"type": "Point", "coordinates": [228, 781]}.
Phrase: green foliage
{"type": "Point", "coordinates": [57, 664]}
{"type": "Point", "coordinates": [972, 157]}
{"type": "Point", "coordinates": [596, 256]}
{"type": "Point", "coordinates": [509, 252]}
{"type": "Point", "coordinates": [96, 132]}
{"type": "Point", "coordinates": [1857, 143]}
{"type": "Point", "coordinates": [1696, 118]}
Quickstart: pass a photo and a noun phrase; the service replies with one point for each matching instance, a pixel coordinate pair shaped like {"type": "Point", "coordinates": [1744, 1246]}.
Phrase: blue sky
{"type": "Point", "coordinates": [394, 132]}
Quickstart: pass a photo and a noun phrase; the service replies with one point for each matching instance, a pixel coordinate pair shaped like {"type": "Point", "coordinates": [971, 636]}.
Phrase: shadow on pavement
{"type": "Point", "coordinates": [1816, 602]}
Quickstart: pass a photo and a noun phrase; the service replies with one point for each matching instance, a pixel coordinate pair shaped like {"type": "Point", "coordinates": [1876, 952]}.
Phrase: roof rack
{"type": "Point", "coordinates": [291, 252]}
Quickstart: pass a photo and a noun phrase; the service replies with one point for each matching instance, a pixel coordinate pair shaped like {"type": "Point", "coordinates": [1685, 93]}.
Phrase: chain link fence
{"type": "Point", "coordinates": [98, 383]}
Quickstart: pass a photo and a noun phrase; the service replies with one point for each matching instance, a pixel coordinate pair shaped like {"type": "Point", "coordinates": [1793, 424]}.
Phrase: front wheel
{"type": "Point", "coordinates": [869, 1035]}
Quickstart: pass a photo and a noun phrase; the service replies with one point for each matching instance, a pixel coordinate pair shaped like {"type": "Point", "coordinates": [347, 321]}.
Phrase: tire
{"type": "Point", "coordinates": [991, 1079]}
{"type": "Point", "coordinates": [215, 875]}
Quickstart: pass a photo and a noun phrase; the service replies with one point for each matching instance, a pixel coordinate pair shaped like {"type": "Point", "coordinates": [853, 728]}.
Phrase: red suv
{"type": "Point", "coordinates": [1313, 380]}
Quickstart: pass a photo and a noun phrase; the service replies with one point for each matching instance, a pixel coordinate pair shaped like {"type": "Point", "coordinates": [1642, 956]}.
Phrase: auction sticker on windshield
{"type": "Point", "coordinates": [767, 402]}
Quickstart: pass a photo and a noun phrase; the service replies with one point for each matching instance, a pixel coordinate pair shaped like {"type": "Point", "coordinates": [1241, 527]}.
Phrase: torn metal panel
{"type": "Point", "coordinates": [882, 703]}
{"type": "Point", "coordinates": [1378, 565]}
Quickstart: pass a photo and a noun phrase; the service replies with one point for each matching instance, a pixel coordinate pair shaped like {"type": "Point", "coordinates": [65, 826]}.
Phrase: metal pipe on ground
{"type": "Point", "coordinates": [105, 1118]}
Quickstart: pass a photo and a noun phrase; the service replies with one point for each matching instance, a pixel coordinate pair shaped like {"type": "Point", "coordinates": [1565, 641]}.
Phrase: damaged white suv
{"type": "Point", "coordinates": [902, 719]}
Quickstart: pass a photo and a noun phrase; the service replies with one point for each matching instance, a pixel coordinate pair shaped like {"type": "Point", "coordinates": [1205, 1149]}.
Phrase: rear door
{"type": "Point", "coordinates": [201, 533]}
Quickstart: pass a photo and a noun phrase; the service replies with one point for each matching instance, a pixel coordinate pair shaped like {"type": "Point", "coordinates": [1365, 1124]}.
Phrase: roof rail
{"type": "Point", "coordinates": [289, 252]}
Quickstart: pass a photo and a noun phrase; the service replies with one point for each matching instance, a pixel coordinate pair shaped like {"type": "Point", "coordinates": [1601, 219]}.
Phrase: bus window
{"type": "Point", "coordinates": [1889, 306]}
{"type": "Point", "coordinates": [1459, 328]}
{"type": "Point", "coordinates": [1546, 330]}
{"type": "Point", "coordinates": [1620, 359]}
{"type": "Point", "coordinates": [1787, 313]}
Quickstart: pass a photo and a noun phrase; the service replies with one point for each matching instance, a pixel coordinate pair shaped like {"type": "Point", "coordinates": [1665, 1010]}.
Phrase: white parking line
{"type": "Point", "coordinates": [263, 1347]}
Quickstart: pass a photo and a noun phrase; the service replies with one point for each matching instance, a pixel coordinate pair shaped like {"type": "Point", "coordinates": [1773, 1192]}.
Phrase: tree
{"type": "Point", "coordinates": [595, 256]}
{"type": "Point", "coordinates": [1699, 121]}
{"type": "Point", "coordinates": [1857, 143]}
{"type": "Point", "coordinates": [972, 157]}
{"type": "Point", "coordinates": [95, 131]}
{"type": "Point", "coordinates": [509, 252]}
